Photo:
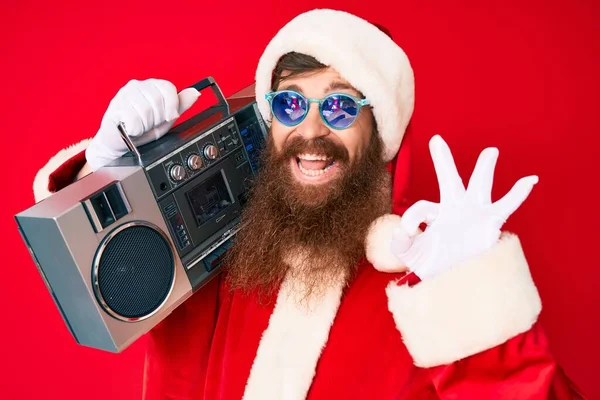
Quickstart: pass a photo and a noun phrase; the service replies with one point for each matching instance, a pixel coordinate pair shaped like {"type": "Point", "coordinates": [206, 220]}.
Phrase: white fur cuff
{"type": "Point", "coordinates": [40, 182]}
{"type": "Point", "coordinates": [475, 306]}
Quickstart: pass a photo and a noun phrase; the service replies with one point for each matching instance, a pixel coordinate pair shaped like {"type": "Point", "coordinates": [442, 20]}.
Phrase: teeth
{"type": "Point", "coordinates": [314, 172]}
{"type": "Point", "coordinates": [312, 157]}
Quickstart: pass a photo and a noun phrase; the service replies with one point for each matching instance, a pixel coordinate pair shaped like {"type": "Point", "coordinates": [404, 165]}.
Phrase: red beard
{"type": "Point", "coordinates": [326, 224]}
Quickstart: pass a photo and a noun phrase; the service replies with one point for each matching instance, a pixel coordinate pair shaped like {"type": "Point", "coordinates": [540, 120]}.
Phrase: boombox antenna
{"type": "Point", "coordinates": [128, 142]}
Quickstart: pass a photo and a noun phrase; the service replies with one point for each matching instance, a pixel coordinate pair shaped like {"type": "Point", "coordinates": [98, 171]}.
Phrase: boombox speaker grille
{"type": "Point", "coordinates": [134, 271]}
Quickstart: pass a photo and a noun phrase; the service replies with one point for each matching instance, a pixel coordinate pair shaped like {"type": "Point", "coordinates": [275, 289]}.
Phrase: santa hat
{"type": "Point", "coordinates": [361, 53]}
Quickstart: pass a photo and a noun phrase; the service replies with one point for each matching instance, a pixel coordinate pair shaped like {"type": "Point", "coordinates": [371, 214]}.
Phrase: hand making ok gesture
{"type": "Point", "coordinates": [464, 223]}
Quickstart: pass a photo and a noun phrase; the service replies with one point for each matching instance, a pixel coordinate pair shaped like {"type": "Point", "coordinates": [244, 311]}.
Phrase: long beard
{"type": "Point", "coordinates": [314, 232]}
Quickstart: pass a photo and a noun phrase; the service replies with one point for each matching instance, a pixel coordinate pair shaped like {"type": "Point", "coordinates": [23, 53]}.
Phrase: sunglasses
{"type": "Point", "coordinates": [338, 110]}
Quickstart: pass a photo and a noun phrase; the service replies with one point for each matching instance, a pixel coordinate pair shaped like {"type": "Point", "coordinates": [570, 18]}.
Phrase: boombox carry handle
{"type": "Point", "coordinates": [210, 81]}
{"type": "Point", "coordinates": [199, 86]}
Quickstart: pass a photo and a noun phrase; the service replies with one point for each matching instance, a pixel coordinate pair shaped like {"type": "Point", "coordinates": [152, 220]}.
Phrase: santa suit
{"type": "Point", "coordinates": [469, 333]}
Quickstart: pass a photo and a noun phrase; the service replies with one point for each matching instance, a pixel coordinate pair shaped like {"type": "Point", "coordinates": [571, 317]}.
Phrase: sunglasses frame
{"type": "Point", "coordinates": [359, 102]}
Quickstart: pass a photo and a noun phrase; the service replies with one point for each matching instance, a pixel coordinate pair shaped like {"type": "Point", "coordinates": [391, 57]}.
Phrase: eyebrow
{"type": "Point", "coordinates": [293, 87]}
{"type": "Point", "coordinates": [333, 86]}
{"type": "Point", "coordinates": [338, 85]}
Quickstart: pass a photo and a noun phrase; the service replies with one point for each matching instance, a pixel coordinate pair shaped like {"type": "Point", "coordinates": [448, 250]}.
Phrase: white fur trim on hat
{"type": "Point", "coordinates": [479, 304]}
{"type": "Point", "coordinates": [361, 53]}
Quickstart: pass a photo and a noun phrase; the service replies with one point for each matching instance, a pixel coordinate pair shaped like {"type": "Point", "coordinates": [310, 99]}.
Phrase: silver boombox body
{"type": "Point", "coordinates": [121, 248]}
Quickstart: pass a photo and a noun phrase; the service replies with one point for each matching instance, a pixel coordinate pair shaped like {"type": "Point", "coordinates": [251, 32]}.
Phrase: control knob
{"type": "Point", "coordinates": [194, 162]}
{"type": "Point", "coordinates": [210, 152]}
{"type": "Point", "coordinates": [177, 172]}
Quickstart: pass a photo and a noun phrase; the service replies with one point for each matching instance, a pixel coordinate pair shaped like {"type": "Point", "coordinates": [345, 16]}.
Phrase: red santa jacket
{"type": "Point", "coordinates": [471, 333]}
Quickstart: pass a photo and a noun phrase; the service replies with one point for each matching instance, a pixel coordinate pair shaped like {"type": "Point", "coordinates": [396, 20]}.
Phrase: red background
{"type": "Point", "coordinates": [521, 76]}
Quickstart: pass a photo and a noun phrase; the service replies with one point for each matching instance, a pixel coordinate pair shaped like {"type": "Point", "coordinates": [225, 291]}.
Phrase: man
{"type": "Point", "coordinates": [327, 292]}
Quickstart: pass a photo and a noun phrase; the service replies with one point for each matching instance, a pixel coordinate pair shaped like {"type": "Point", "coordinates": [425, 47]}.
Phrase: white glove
{"type": "Point", "coordinates": [148, 108]}
{"type": "Point", "coordinates": [464, 223]}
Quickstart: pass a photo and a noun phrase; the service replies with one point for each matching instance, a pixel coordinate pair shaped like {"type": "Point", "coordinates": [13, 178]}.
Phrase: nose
{"type": "Point", "coordinates": [313, 126]}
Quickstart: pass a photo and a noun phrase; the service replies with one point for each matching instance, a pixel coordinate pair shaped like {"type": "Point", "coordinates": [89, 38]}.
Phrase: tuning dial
{"type": "Point", "coordinates": [210, 152]}
{"type": "Point", "coordinates": [194, 162]}
{"type": "Point", "coordinates": [177, 172]}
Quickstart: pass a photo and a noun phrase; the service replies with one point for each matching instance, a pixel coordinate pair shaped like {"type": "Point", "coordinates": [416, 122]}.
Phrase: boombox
{"type": "Point", "coordinates": [121, 248]}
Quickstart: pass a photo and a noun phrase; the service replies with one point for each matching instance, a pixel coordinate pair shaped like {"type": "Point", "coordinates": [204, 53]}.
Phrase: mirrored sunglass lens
{"type": "Point", "coordinates": [339, 110]}
{"type": "Point", "coordinates": [289, 108]}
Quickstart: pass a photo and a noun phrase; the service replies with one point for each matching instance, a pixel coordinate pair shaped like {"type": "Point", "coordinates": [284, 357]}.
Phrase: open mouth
{"type": "Point", "coordinates": [314, 167]}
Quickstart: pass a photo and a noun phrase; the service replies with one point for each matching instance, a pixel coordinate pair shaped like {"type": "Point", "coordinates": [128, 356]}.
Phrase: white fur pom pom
{"type": "Point", "coordinates": [378, 244]}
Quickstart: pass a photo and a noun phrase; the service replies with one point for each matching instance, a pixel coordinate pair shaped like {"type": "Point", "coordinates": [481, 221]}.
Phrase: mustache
{"type": "Point", "coordinates": [298, 145]}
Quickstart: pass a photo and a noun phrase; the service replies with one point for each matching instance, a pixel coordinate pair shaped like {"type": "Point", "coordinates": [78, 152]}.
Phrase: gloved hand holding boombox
{"type": "Point", "coordinates": [147, 108]}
